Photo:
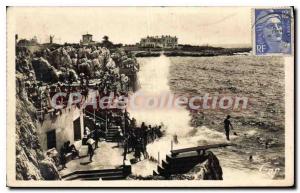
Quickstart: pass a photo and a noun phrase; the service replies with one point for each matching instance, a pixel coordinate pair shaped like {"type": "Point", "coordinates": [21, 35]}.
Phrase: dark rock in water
{"type": "Point", "coordinates": [210, 169]}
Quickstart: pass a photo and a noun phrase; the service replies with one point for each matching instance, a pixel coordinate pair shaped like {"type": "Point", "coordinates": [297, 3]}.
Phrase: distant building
{"type": "Point", "coordinates": [87, 39]}
{"type": "Point", "coordinates": [159, 42]}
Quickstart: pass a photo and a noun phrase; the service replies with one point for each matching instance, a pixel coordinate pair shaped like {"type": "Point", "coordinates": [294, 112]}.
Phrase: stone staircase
{"type": "Point", "coordinates": [111, 135]}
{"type": "Point", "coordinates": [112, 129]}
{"type": "Point", "coordinates": [179, 164]}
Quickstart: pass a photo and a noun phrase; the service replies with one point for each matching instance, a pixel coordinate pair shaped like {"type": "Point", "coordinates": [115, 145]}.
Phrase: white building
{"type": "Point", "coordinates": [159, 42]}
{"type": "Point", "coordinates": [87, 39]}
{"type": "Point", "coordinates": [55, 131]}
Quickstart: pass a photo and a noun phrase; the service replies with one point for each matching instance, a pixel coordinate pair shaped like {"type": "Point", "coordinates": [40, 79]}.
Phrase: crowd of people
{"type": "Point", "coordinates": [40, 96]}
{"type": "Point", "coordinates": [136, 138]}
{"type": "Point", "coordinates": [67, 65]}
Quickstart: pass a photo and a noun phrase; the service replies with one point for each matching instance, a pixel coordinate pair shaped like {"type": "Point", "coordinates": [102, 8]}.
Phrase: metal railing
{"type": "Point", "coordinates": [100, 118]}
{"type": "Point", "coordinates": [95, 116]}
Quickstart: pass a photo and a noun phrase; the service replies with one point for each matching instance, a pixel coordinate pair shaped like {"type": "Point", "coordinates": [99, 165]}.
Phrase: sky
{"type": "Point", "coordinates": [127, 25]}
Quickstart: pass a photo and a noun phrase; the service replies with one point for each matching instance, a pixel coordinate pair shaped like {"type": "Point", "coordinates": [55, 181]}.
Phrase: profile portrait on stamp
{"type": "Point", "coordinates": [272, 31]}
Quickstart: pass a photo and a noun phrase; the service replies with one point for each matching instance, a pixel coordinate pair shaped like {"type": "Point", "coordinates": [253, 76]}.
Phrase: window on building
{"type": "Point", "coordinates": [77, 130]}
{"type": "Point", "coordinates": [51, 139]}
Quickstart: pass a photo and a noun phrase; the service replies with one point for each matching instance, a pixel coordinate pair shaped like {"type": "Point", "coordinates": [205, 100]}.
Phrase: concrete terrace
{"type": "Point", "coordinates": [109, 156]}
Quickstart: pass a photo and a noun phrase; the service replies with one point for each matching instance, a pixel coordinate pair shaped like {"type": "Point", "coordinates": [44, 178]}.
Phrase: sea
{"type": "Point", "coordinates": [157, 76]}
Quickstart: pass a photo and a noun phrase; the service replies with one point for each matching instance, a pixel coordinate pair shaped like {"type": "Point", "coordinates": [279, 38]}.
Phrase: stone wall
{"type": "Point", "coordinates": [63, 126]}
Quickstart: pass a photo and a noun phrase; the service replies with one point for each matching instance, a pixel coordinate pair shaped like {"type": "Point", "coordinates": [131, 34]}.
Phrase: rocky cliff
{"type": "Point", "coordinates": [31, 163]}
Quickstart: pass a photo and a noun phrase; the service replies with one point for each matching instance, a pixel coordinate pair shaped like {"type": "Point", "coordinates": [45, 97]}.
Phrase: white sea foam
{"type": "Point", "coordinates": [153, 78]}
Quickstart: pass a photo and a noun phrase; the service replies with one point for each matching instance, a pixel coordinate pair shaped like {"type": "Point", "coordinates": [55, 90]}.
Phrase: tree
{"type": "Point", "coordinates": [106, 43]}
{"type": "Point", "coordinates": [105, 38]}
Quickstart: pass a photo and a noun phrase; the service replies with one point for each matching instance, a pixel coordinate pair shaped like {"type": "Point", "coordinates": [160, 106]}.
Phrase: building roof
{"type": "Point", "coordinates": [87, 35]}
{"type": "Point", "coordinates": [159, 37]}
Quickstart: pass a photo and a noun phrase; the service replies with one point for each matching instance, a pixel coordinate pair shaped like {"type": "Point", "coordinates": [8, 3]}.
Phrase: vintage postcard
{"type": "Point", "coordinates": [150, 97]}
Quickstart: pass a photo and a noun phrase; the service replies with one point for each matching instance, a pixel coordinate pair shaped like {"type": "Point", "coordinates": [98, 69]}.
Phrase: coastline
{"type": "Point", "coordinates": [193, 52]}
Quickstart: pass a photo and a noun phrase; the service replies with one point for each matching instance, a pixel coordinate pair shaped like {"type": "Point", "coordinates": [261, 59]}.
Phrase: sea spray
{"type": "Point", "coordinates": [153, 78]}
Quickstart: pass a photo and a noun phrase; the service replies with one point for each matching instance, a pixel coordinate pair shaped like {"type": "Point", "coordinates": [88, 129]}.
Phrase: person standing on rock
{"type": "Point", "coordinates": [227, 125]}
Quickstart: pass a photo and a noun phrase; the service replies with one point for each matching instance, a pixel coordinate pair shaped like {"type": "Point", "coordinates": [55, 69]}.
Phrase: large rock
{"type": "Point", "coordinates": [210, 169]}
{"type": "Point", "coordinates": [49, 170]}
{"type": "Point", "coordinates": [44, 71]}
{"type": "Point", "coordinates": [84, 68]}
